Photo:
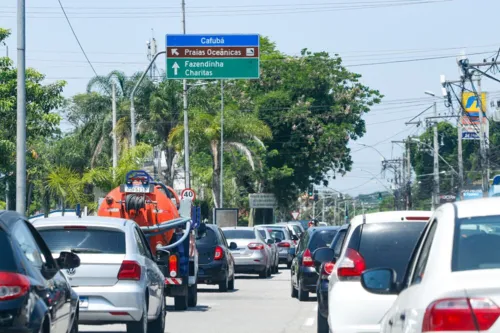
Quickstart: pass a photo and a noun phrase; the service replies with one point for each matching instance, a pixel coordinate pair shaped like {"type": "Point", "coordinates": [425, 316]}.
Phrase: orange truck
{"type": "Point", "coordinates": [166, 221]}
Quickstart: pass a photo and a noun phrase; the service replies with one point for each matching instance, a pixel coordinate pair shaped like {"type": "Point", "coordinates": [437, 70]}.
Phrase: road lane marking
{"type": "Point", "coordinates": [309, 322]}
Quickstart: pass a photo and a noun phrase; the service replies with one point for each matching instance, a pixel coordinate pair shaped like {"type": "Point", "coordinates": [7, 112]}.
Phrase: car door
{"type": "Point", "coordinates": [297, 261]}
{"type": "Point", "coordinates": [155, 283]}
{"type": "Point", "coordinates": [403, 311]}
{"type": "Point", "coordinates": [37, 253]}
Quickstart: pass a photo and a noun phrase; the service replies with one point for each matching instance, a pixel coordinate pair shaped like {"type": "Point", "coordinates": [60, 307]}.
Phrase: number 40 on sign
{"type": "Point", "coordinates": [188, 194]}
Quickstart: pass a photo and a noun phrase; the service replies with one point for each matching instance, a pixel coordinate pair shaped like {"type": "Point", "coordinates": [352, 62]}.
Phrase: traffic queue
{"type": "Point", "coordinates": [406, 271]}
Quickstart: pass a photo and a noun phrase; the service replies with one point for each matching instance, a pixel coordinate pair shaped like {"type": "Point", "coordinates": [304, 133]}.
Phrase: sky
{"type": "Point", "coordinates": [400, 47]}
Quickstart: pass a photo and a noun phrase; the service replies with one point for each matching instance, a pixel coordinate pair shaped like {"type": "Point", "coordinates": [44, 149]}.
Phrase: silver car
{"type": "Point", "coordinates": [118, 280]}
{"type": "Point", "coordinates": [286, 242]}
{"type": "Point", "coordinates": [252, 256]}
{"type": "Point", "coordinates": [271, 243]}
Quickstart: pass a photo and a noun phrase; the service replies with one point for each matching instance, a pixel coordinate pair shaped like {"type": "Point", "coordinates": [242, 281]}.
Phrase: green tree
{"type": "Point", "coordinates": [42, 122]}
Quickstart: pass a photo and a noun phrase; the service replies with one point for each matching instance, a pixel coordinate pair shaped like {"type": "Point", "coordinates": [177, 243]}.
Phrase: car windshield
{"type": "Point", "coordinates": [277, 233]}
{"type": "Point", "coordinates": [239, 234]}
{"type": "Point", "coordinates": [84, 240]}
{"type": "Point", "coordinates": [389, 244]}
{"type": "Point", "coordinates": [7, 263]}
{"type": "Point", "coordinates": [209, 239]}
{"type": "Point", "coordinates": [476, 243]}
{"type": "Point", "coordinates": [322, 238]}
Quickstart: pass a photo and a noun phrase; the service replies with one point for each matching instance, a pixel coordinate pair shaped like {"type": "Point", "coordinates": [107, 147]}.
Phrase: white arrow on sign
{"type": "Point", "coordinates": [174, 52]}
{"type": "Point", "coordinates": [295, 215]}
{"type": "Point", "coordinates": [176, 68]}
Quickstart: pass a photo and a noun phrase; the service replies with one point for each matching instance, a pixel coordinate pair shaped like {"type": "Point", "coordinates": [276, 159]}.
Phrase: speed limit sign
{"type": "Point", "coordinates": [188, 194]}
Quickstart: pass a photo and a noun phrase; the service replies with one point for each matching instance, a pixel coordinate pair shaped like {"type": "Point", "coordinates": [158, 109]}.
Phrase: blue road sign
{"type": "Point", "coordinates": [212, 40]}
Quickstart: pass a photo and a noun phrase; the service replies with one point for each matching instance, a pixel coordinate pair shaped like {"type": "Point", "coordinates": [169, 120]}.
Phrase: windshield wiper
{"type": "Point", "coordinates": [84, 250]}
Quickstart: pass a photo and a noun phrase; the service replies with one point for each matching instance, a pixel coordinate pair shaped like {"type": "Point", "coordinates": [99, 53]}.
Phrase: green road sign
{"type": "Point", "coordinates": [214, 68]}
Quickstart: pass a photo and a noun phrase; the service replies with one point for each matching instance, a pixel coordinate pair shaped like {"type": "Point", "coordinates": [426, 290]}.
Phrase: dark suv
{"type": "Point", "coordinates": [304, 275]}
{"type": "Point", "coordinates": [215, 261]}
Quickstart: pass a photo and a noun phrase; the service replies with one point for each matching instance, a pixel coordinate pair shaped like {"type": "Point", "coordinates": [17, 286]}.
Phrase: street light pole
{"type": "Point", "coordinates": [21, 109]}
{"type": "Point", "coordinates": [221, 143]}
{"type": "Point", "coordinates": [187, 169]}
{"type": "Point", "coordinates": [436, 162]}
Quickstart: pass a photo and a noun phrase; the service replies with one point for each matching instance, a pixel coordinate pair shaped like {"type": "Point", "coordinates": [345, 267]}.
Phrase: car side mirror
{"type": "Point", "coordinates": [322, 256]}
{"type": "Point", "coordinates": [233, 246]}
{"type": "Point", "coordinates": [380, 281]}
{"type": "Point", "coordinates": [270, 241]}
{"type": "Point", "coordinates": [68, 260]}
{"type": "Point", "coordinates": [278, 240]}
{"type": "Point", "coordinates": [295, 238]}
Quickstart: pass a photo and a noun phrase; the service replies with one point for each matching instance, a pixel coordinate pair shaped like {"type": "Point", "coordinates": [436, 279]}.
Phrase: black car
{"type": "Point", "coordinates": [303, 271]}
{"type": "Point", "coordinates": [34, 295]}
{"type": "Point", "coordinates": [324, 270]}
{"type": "Point", "coordinates": [215, 261]}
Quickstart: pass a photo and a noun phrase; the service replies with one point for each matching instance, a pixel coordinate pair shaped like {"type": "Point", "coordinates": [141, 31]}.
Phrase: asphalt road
{"type": "Point", "coordinates": [257, 305]}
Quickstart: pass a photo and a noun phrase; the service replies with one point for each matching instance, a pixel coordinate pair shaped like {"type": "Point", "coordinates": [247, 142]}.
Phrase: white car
{"type": "Point", "coordinates": [384, 239]}
{"type": "Point", "coordinates": [452, 281]}
{"type": "Point", "coordinates": [118, 280]}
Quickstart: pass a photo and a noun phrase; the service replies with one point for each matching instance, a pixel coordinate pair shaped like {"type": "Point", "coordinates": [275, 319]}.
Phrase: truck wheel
{"type": "Point", "coordinates": [158, 325]}
{"type": "Point", "coordinates": [193, 295]}
{"type": "Point", "coordinates": [140, 326]}
{"type": "Point", "coordinates": [181, 303]}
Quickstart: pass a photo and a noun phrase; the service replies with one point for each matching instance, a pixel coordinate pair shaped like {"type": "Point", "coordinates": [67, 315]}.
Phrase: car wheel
{"type": "Point", "coordinates": [289, 265]}
{"type": "Point", "coordinates": [140, 326]}
{"type": "Point", "coordinates": [263, 274]}
{"type": "Point", "coordinates": [322, 324]}
{"type": "Point", "coordinates": [181, 303]}
{"type": "Point", "coordinates": [193, 295]}
{"type": "Point", "coordinates": [158, 325]}
{"type": "Point", "coordinates": [294, 292]}
{"type": "Point", "coordinates": [74, 327]}
{"type": "Point", "coordinates": [224, 285]}
{"type": "Point", "coordinates": [231, 284]}
{"type": "Point", "coordinates": [303, 295]}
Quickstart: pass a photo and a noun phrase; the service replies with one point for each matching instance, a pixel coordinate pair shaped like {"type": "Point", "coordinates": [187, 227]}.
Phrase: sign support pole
{"type": "Point", "coordinates": [221, 143]}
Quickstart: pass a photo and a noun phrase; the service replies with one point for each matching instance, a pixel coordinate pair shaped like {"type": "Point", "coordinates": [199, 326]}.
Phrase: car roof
{"type": "Point", "coordinates": [89, 221]}
{"type": "Point", "coordinates": [238, 228]}
{"type": "Point", "coordinates": [476, 207]}
{"type": "Point", "coordinates": [8, 218]}
{"type": "Point", "coordinates": [393, 216]}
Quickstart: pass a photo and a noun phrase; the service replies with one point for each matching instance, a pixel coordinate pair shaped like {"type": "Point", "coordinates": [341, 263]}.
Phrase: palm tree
{"type": "Point", "coordinates": [240, 130]}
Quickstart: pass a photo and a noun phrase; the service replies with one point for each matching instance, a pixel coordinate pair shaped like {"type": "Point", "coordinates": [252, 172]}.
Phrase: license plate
{"type": "Point", "coordinates": [84, 302]}
{"type": "Point", "coordinates": [137, 189]}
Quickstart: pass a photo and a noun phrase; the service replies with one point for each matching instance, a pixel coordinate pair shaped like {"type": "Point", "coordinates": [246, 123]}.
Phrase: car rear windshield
{"type": "Point", "coordinates": [262, 233]}
{"type": "Point", "coordinates": [7, 262]}
{"type": "Point", "coordinates": [321, 238]}
{"type": "Point", "coordinates": [476, 243]}
{"type": "Point", "coordinates": [239, 234]}
{"type": "Point", "coordinates": [210, 238]}
{"type": "Point", "coordinates": [277, 233]}
{"type": "Point", "coordinates": [84, 240]}
{"type": "Point", "coordinates": [387, 244]}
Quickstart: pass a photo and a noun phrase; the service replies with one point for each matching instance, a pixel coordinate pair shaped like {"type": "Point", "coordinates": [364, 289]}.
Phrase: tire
{"type": "Point", "coordinates": [231, 284]}
{"type": "Point", "coordinates": [140, 326]}
{"type": "Point", "coordinates": [322, 324]}
{"type": "Point", "coordinates": [224, 285]}
{"type": "Point", "coordinates": [193, 295]}
{"type": "Point", "coordinates": [74, 327]}
{"type": "Point", "coordinates": [158, 325]}
{"type": "Point", "coordinates": [263, 274]}
{"type": "Point", "coordinates": [181, 303]}
{"type": "Point", "coordinates": [303, 295]}
{"type": "Point", "coordinates": [269, 272]}
{"type": "Point", "coordinates": [289, 265]}
{"type": "Point", "coordinates": [294, 293]}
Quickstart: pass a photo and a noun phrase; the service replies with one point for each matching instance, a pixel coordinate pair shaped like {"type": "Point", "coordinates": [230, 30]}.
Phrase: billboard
{"type": "Point", "coordinates": [226, 217]}
{"type": "Point", "coordinates": [262, 200]}
{"type": "Point", "coordinates": [470, 127]}
{"type": "Point", "coordinates": [470, 104]}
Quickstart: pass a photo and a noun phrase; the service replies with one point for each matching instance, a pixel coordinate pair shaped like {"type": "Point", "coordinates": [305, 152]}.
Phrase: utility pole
{"type": "Point", "coordinates": [115, 144]}
{"type": "Point", "coordinates": [482, 143]}
{"type": "Point", "coordinates": [314, 209]}
{"type": "Point", "coordinates": [187, 170]}
{"type": "Point", "coordinates": [435, 198]}
{"type": "Point", "coordinates": [408, 183]}
{"type": "Point", "coordinates": [6, 49]}
{"type": "Point", "coordinates": [21, 109]}
{"type": "Point", "coordinates": [221, 143]}
{"type": "Point", "coordinates": [323, 210]}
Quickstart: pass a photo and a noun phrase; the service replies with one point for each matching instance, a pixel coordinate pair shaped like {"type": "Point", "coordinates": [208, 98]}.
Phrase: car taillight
{"type": "Point", "coordinates": [307, 259]}
{"type": "Point", "coordinates": [328, 268]}
{"type": "Point", "coordinates": [255, 246]}
{"type": "Point", "coordinates": [130, 270]}
{"type": "Point", "coordinates": [460, 314]}
{"type": "Point", "coordinates": [218, 253]}
{"type": "Point", "coordinates": [13, 285]}
{"type": "Point", "coordinates": [283, 244]}
{"type": "Point", "coordinates": [172, 265]}
{"type": "Point", "coordinates": [351, 267]}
